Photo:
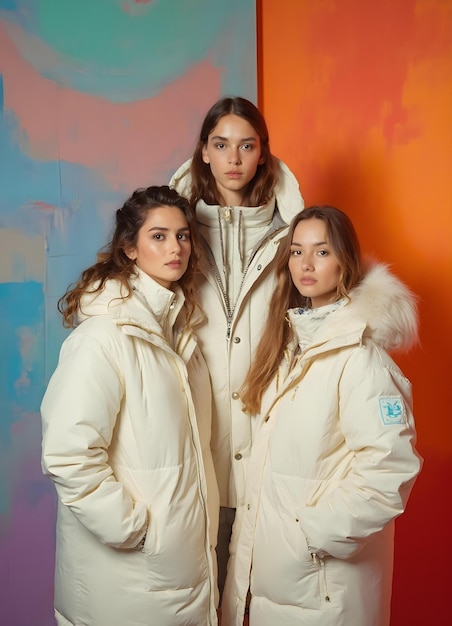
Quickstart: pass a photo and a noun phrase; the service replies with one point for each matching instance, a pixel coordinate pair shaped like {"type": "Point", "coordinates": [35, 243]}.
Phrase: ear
{"type": "Point", "coordinates": [261, 160]}
{"type": "Point", "coordinates": [131, 253]}
{"type": "Point", "coordinates": [205, 156]}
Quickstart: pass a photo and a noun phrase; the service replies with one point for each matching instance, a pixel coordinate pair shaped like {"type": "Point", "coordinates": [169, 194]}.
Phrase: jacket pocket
{"type": "Point", "coordinates": [288, 572]}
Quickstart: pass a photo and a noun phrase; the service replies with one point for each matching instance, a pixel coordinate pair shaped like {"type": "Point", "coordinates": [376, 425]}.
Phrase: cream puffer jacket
{"type": "Point", "coordinates": [332, 466]}
{"type": "Point", "coordinates": [228, 344]}
{"type": "Point", "coordinates": [123, 446]}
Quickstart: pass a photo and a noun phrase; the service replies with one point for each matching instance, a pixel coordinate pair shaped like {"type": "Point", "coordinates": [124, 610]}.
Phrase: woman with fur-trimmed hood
{"type": "Point", "coordinates": [333, 459]}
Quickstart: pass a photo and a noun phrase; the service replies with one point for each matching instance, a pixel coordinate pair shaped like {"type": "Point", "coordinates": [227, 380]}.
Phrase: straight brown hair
{"type": "Point", "coordinates": [277, 332]}
{"type": "Point", "coordinates": [260, 189]}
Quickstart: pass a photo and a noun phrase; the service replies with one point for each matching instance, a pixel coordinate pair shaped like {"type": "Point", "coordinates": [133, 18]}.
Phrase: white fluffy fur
{"type": "Point", "coordinates": [389, 308]}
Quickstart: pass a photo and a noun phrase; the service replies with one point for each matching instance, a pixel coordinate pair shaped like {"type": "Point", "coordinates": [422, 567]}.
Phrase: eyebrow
{"type": "Point", "coordinates": [179, 230]}
{"type": "Point", "coordinates": [219, 138]}
{"type": "Point", "coordinates": [317, 243]}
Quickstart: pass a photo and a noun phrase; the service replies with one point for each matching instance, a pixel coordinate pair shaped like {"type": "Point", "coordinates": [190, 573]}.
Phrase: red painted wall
{"type": "Point", "coordinates": [358, 99]}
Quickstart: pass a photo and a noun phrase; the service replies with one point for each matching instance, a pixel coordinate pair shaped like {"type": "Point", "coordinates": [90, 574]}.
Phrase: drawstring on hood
{"type": "Point", "coordinates": [232, 235]}
{"type": "Point", "coordinates": [240, 239]}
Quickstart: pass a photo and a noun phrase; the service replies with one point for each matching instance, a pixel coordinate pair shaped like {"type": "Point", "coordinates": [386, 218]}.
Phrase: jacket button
{"type": "Point", "coordinates": [238, 456]}
{"type": "Point", "coordinates": [235, 395]}
{"type": "Point", "coordinates": [259, 267]}
{"type": "Point", "coordinates": [237, 340]}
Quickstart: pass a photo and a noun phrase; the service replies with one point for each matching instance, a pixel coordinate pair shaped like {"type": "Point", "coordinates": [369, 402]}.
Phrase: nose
{"type": "Point", "coordinates": [234, 156]}
{"type": "Point", "coordinates": [307, 264]}
{"type": "Point", "coordinates": [175, 245]}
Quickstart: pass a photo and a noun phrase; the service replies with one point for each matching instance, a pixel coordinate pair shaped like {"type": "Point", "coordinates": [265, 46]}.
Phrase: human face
{"type": "Point", "coordinates": [233, 151]}
{"type": "Point", "coordinates": [313, 265]}
{"type": "Point", "coordinates": [163, 245]}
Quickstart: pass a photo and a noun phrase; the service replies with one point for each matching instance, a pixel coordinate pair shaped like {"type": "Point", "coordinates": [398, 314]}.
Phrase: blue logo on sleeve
{"type": "Point", "coordinates": [392, 410]}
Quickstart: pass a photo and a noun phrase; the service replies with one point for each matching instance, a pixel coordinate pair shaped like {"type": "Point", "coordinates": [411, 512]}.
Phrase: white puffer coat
{"type": "Point", "coordinates": [332, 466]}
{"type": "Point", "coordinates": [122, 445]}
{"type": "Point", "coordinates": [229, 343]}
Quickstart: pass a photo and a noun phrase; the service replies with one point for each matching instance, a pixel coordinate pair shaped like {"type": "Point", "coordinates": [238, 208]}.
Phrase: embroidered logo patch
{"type": "Point", "coordinates": [392, 410]}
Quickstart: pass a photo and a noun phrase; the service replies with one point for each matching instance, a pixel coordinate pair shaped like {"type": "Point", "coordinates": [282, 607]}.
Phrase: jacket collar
{"type": "Point", "coordinates": [150, 306]}
{"type": "Point", "coordinates": [381, 308]}
{"type": "Point", "coordinates": [251, 217]}
{"type": "Point", "coordinates": [287, 191]}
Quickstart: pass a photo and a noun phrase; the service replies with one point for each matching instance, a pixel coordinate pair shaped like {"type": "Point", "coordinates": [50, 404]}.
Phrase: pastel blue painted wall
{"type": "Point", "coordinates": [96, 98]}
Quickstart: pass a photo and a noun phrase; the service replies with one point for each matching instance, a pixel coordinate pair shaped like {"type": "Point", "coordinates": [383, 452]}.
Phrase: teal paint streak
{"type": "Point", "coordinates": [21, 377]}
{"type": "Point", "coordinates": [88, 30]}
{"type": "Point", "coordinates": [5, 488]}
{"type": "Point", "coordinates": [10, 5]}
{"type": "Point", "coordinates": [97, 47]}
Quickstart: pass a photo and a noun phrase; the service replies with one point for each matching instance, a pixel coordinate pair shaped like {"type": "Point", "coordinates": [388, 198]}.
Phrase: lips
{"type": "Point", "coordinates": [174, 264]}
{"type": "Point", "coordinates": [234, 175]}
{"type": "Point", "coordinates": [308, 281]}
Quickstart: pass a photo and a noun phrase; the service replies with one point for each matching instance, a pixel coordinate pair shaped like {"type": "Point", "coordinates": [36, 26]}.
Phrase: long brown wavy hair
{"type": "Point", "coordinates": [277, 333]}
{"type": "Point", "coordinates": [113, 263]}
{"type": "Point", "coordinates": [260, 189]}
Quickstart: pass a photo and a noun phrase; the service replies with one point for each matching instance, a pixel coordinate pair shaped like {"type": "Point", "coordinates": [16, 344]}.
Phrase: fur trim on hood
{"type": "Point", "coordinates": [388, 308]}
{"type": "Point", "coordinates": [287, 191]}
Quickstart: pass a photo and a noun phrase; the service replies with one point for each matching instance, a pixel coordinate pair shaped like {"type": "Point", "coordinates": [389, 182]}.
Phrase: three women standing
{"type": "Point", "coordinates": [320, 463]}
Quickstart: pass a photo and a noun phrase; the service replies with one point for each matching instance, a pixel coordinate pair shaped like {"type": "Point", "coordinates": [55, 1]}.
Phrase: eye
{"type": "Point", "coordinates": [247, 146]}
{"type": "Point", "coordinates": [295, 252]}
{"type": "Point", "coordinates": [184, 236]}
{"type": "Point", "coordinates": [158, 236]}
{"type": "Point", "coordinates": [322, 252]}
{"type": "Point", "coordinates": [220, 146]}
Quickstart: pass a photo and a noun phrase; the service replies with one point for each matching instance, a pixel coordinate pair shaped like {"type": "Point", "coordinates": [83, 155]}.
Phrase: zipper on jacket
{"type": "Point", "coordinates": [320, 562]}
{"type": "Point", "coordinates": [197, 453]}
{"type": "Point", "coordinates": [230, 311]}
{"type": "Point", "coordinates": [216, 275]}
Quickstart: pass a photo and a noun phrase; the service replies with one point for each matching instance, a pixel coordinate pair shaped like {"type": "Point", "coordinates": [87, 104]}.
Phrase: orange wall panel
{"type": "Point", "coordinates": [358, 98]}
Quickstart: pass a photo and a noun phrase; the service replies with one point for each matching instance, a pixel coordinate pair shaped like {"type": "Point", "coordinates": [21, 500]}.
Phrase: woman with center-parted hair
{"type": "Point", "coordinates": [244, 199]}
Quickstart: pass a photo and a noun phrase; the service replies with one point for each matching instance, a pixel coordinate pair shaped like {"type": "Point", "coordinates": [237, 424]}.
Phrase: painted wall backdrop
{"type": "Point", "coordinates": [363, 114]}
{"type": "Point", "coordinates": [96, 98]}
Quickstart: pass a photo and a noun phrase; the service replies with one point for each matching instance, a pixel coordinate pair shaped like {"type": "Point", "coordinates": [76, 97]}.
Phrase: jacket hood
{"type": "Point", "coordinates": [287, 191]}
{"type": "Point", "coordinates": [149, 296]}
{"type": "Point", "coordinates": [386, 307]}
{"type": "Point", "coordinates": [105, 302]}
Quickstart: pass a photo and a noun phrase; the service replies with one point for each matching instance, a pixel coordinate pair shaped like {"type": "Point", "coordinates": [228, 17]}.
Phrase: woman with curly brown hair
{"type": "Point", "coordinates": [126, 430]}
